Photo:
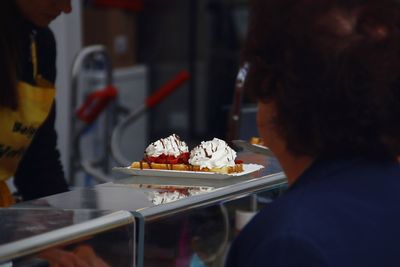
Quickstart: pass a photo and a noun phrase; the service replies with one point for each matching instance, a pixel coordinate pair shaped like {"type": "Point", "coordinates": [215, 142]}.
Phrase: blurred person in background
{"type": "Point", "coordinates": [28, 141]}
{"type": "Point", "coordinates": [326, 75]}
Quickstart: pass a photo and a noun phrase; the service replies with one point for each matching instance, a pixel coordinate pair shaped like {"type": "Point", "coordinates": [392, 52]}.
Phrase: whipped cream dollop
{"type": "Point", "coordinates": [213, 154]}
{"type": "Point", "coordinates": [171, 146]}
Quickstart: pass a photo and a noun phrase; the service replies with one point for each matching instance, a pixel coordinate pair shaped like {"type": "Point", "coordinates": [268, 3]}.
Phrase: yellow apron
{"type": "Point", "coordinates": [17, 128]}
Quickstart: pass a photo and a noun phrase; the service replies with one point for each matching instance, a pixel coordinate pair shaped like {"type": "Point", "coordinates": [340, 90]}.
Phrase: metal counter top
{"type": "Point", "coordinates": [32, 226]}
{"type": "Point", "coordinates": [125, 195]}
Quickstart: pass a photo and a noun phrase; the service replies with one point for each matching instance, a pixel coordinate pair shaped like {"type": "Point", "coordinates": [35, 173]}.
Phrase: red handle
{"type": "Point", "coordinates": [95, 103]}
{"type": "Point", "coordinates": [167, 89]}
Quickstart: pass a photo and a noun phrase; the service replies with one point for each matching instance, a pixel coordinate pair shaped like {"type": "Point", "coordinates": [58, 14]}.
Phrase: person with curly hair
{"type": "Point", "coordinates": [326, 76]}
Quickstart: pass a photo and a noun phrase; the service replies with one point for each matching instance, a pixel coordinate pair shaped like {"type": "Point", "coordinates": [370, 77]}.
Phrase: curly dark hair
{"type": "Point", "coordinates": [332, 68]}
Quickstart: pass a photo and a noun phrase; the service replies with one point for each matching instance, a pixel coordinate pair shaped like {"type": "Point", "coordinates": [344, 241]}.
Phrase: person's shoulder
{"type": "Point", "coordinates": [46, 32]}
{"type": "Point", "coordinates": [318, 210]}
{"type": "Point", "coordinates": [287, 211]}
{"type": "Point", "coordinates": [45, 37]}
{"type": "Point", "coordinates": [271, 219]}
{"type": "Point", "coordinates": [46, 45]}
{"type": "Point", "coordinates": [297, 210]}
{"type": "Point", "coordinates": [274, 229]}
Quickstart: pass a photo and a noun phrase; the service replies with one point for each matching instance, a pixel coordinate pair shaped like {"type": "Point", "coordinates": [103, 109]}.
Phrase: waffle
{"type": "Point", "coordinates": [185, 167]}
{"type": "Point", "coordinates": [160, 166]}
{"type": "Point", "coordinates": [223, 170]}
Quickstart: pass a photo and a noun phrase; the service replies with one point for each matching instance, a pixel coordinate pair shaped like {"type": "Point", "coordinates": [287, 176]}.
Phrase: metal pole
{"type": "Point", "coordinates": [76, 129]}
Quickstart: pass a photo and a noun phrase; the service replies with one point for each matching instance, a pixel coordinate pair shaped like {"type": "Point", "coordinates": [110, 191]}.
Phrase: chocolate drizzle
{"type": "Point", "coordinates": [145, 161]}
{"type": "Point", "coordinates": [171, 145]}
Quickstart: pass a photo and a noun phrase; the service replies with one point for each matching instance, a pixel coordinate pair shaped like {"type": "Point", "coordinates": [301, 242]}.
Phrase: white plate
{"type": "Point", "coordinates": [247, 169]}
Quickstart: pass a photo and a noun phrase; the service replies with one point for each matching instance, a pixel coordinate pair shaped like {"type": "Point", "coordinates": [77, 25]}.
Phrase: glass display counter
{"type": "Point", "coordinates": [179, 220]}
{"type": "Point", "coordinates": [40, 237]}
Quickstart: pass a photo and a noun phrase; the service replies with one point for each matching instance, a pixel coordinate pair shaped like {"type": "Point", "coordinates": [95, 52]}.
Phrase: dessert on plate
{"type": "Point", "coordinates": [170, 153]}
{"type": "Point", "coordinates": [214, 156]}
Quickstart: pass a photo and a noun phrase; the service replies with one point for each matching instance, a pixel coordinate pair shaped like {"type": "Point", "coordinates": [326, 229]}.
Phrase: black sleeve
{"type": "Point", "coordinates": [47, 54]}
{"type": "Point", "coordinates": [40, 172]}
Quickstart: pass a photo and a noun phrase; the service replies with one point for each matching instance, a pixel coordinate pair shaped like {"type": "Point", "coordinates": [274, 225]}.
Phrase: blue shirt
{"type": "Point", "coordinates": [338, 213]}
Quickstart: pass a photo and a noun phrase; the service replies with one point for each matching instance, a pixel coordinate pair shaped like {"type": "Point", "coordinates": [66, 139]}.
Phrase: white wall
{"type": "Point", "coordinates": [68, 33]}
